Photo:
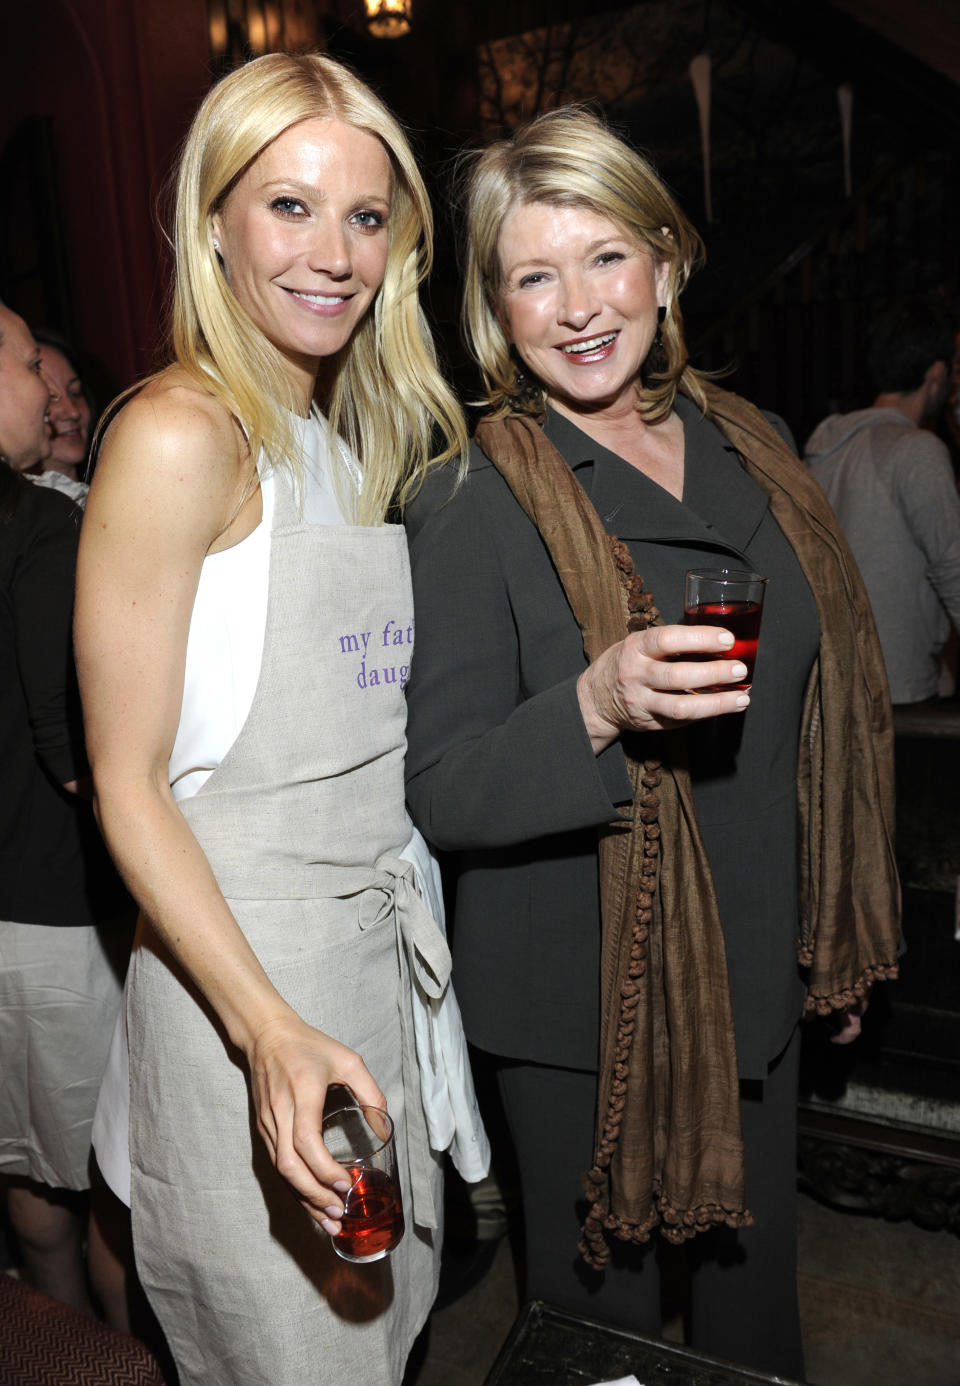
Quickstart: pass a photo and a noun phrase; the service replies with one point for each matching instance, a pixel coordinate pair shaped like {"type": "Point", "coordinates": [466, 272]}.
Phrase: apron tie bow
{"type": "Point", "coordinates": [425, 963]}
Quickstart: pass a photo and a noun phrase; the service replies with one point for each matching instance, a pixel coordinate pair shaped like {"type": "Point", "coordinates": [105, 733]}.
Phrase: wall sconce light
{"type": "Point", "coordinates": [388, 18]}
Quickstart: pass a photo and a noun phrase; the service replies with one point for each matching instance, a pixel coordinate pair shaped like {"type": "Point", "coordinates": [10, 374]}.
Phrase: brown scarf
{"type": "Point", "coordinates": [669, 1148]}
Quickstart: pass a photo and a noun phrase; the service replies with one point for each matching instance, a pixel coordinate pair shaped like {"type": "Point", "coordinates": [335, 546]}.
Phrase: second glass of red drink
{"type": "Point", "coordinates": [361, 1139]}
{"type": "Point", "coordinates": [732, 598]}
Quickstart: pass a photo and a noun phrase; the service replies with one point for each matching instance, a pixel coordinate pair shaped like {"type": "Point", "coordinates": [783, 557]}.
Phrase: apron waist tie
{"type": "Point", "coordinates": [425, 963]}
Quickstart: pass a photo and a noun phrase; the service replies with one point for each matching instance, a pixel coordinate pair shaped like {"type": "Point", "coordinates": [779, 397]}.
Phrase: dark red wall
{"type": "Point", "coordinates": [119, 81]}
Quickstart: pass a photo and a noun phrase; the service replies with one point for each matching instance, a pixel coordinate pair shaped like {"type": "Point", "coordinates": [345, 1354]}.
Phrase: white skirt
{"type": "Point", "coordinates": [60, 991]}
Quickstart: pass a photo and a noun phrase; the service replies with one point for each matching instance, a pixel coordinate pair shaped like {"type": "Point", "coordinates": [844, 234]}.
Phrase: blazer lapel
{"type": "Point", "coordinates": [634, 508]}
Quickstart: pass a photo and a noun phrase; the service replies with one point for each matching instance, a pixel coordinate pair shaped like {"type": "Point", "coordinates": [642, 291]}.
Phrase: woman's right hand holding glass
{"type": "Point", "coordinates": [644, 683]}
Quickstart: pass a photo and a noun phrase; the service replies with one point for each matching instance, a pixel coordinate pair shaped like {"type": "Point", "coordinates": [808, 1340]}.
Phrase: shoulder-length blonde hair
{"type": "Point", "coordinates": [570, 158]}
{"type": "Point", "coordinates": [387, 396]}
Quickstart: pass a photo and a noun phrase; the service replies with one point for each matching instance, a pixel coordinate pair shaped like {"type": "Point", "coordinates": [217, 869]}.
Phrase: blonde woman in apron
{"type": "Point", "coordinates": [245, 631]}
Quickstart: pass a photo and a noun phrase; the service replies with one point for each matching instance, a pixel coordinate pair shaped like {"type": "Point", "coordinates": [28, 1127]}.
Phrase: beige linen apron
{"type": "Point", "coordinates": [302, 822]}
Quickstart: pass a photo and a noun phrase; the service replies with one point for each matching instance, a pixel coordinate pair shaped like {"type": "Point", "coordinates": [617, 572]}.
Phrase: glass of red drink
{"type": "Point", "coordinates": [732, 598]}
{"type": "Point", "coordinates": [361, 1139]}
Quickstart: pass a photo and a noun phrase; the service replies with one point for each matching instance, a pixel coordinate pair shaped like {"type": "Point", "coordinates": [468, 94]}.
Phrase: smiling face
{"type": "Point", "coordinates": [578, 300]}
{"type": "Point", "coordinates": [69, 415]}
{"type": "Point", "coordinates": [25, 394]}
{"type": "Point", "coordinates": [303, 238]}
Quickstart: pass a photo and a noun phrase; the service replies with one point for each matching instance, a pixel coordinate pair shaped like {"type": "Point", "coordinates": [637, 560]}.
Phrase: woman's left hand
{"type": "Point", "coordinates": [850, 1022]}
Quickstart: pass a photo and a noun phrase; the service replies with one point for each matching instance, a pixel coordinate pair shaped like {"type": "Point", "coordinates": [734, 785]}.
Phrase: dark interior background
{"type": "Point", "coordinates": [97, 94]}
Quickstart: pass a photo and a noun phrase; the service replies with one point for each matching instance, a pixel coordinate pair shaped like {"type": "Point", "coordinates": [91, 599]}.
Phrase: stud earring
{"type": "Point", "coordinates": [216, 246]}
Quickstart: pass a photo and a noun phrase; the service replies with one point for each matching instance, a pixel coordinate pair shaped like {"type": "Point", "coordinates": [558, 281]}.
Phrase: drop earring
{"type": "Point", "coordinates": [656, 362]}
{"type": "Point", "coordinates": [526, 389]}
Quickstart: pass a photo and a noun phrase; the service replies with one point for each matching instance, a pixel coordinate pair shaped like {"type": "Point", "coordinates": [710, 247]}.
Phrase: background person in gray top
{"type": "Point", "coordinates": [891, 484]}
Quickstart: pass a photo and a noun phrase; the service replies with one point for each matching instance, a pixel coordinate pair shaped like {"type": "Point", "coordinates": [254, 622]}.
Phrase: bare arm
{"type": "Point", "coordinates": [167, 492]}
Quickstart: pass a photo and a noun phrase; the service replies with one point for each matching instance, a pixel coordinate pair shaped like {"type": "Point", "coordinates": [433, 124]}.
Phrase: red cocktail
{"type": "Point", "coordinates": [372, 1216]}
{"type": "Point", "coordinates": [360, 1138]}
{"type": "Point", "coordinates": [733, 599]}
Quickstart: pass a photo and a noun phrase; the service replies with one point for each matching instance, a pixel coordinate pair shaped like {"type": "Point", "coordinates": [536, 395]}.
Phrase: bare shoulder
{"type": "Point", "coordinates": [177, 420]}
{"type": "Point", "coordinates": [173, 446]}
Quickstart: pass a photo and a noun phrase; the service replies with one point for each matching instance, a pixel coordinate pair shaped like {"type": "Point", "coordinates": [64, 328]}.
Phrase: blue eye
{"type": "Point", "coordinates": [287, 206]}
{"type": "Point", "coordinates": [368, 220]}
{"type": "Point", "coordinates": [532, 280]}
{"type": "Point", "coordinates": [609, 257]}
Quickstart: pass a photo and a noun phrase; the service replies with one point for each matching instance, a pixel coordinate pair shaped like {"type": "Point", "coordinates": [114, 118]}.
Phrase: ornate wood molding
{"type": "Point", "coordinates": [889, 1174]}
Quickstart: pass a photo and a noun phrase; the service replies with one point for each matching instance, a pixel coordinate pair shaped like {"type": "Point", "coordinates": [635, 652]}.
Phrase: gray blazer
{"type": "Point", "coordinates": [501, 772]}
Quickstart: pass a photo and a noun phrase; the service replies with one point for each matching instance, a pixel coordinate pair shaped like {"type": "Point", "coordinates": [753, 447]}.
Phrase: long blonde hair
{"type": "Point", "coordinates": [387, 397]}
{"type": "Point", "coordinates": [570, 158]}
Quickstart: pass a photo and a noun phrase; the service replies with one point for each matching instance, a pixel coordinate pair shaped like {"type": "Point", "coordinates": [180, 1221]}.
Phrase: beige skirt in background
{"type": "Point", "coordinates": [60, 990]}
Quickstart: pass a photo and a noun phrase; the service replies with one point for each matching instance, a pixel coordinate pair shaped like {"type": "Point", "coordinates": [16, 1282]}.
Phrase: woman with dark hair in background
{"type": "Point", "coordinates": [655, 879]}
{"type": "Point", "coordinates": [71, 416]}
{"type": "Point", "coordinates": [70, 420]}
{"type": "Point", "coordinates": [61, 963]}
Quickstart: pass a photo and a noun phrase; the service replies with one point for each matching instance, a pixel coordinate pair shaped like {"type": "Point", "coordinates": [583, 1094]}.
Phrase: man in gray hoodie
{"type": "Point", "coordinates": [891, 484]}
